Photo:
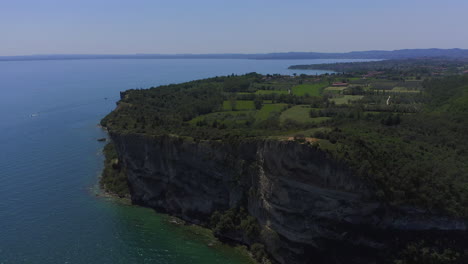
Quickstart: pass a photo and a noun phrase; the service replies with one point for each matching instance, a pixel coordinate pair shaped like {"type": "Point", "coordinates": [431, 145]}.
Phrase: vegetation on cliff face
{"type": "Point", "coordinates": [421, 252]}
{"type": "Point", "coordinates": [235, 220]}
{"type": "Point", "coordinates": [236, 224]}
{"type": "Point", "coordinates": [113, 179]}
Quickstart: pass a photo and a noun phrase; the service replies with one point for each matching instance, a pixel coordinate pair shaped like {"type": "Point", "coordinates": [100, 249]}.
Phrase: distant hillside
{"type": "Point", "coordinates": [437, 66]}
{"type": "Point", "coordinates": [373, 54]}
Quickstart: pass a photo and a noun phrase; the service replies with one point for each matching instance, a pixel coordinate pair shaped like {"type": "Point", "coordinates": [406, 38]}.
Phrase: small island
{"type": "Point", "coordinates": [370, 162]}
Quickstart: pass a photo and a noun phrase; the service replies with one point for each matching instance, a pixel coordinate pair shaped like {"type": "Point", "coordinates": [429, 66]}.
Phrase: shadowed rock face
{"type": "Point", "coordinates": [310, 207]}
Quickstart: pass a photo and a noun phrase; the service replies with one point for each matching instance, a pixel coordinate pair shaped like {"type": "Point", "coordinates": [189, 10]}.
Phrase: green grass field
{"type": "Point", "coordinates": [267, 109]}
{"type": "Point", "coordinates": [384, 84]}
{"type": "Point", "coordinates": [397, 90]}
{"type": "Point", "coordinates": [404, 90]}
{"type": "Point", "coordinates": [332, 88]}
{"type": "Point", "coordinates": [300, 113]}
{"type": "Point", "coordinates": [346, 99]}
{"type": "Point", "coordinates": [271, 85]}
{"type": "Point", "coordinates": [271, 92]}
{"type": "Point", "coordinates": [313, 89]}
{"type": "Point", "coordinates": [240, 105]}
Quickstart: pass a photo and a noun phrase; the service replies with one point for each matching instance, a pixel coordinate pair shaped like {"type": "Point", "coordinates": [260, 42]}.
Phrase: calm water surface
{"type": "Point", "coordinates": [50, 163]}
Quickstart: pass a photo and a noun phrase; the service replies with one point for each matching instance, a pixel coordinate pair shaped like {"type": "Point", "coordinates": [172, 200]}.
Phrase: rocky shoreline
{"type": "Point", "coordinates": [106, 192]}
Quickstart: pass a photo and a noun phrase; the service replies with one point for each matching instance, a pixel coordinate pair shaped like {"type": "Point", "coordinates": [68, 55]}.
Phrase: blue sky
{"type": "Point", "coordinates": [209, 26]}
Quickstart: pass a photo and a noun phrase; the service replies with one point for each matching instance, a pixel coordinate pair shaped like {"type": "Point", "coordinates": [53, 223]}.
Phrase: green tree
{"type": "Point", "coordinates": [233, 103]}
{"type": "Point", "coordinates": [258, 104]}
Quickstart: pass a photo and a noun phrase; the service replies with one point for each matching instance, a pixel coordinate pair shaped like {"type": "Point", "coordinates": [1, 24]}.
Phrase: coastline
{"type": "Point", "coordinates": [203, 232]}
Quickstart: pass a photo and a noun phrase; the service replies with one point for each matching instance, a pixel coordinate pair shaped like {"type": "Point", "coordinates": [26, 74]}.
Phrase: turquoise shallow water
{"type": "Point", "coordinates": [50, 162]}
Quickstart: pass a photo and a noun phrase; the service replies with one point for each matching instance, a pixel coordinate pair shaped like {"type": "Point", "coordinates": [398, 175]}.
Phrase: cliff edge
{"type": "Point", "coordinates": [310, 208]}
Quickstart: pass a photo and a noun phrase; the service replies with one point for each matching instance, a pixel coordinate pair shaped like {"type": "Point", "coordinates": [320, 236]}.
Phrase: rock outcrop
{"type": "Point", "coordinates": [311, 208]}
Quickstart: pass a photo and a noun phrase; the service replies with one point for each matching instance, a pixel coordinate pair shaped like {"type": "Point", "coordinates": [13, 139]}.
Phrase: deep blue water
{"type": "Point", "coordinates": [50, 163]}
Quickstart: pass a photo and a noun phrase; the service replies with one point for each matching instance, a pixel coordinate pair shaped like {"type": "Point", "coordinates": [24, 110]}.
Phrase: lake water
{"type": "Point", "coordinates": [50, 162]}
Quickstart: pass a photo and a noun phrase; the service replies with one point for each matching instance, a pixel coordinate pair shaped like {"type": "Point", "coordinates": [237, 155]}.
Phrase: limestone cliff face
{"type": "Point", "coordinates": [310, 207]}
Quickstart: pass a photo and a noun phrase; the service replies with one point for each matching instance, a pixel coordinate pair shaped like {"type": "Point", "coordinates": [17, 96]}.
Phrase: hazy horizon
{"type": "Point", "coordinates": [208, 53]}
{"type": "Point", "coordinates": [87, 27]}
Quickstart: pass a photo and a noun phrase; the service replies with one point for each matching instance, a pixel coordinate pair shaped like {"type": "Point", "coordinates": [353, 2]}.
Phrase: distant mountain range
{"type": "Point", "coordinates": [372, 54]}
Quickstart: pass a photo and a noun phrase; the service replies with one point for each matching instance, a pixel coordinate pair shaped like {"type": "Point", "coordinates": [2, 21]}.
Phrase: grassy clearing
{"type": "Point", "coordinates": [397, 90]}
{"type": "Point", "coordinates": [239, 105]}
{"type": "Point", "coordinates": [272, 86]}
{"type": "Point", "coordinates": [384, 84]}
{"type": "Point", "coordinates": [312, 89]}
{"type": "Point", "coordinates": [359, 81]}
{"type": "Point", "coordinates": [332, 88]}
{"type": "Point", "coordinates": [267, 109]}
{"type": "Point", "coordinates": [346, 99]}
{"type": "Point", "coordinates": [327, 145]}
{"type": "Point", "coordinates": [300, 113]}
{"type": "Point", "coordinates": [372, 112]}
{"type": "Point", "coordinates": [271, 92]}
{"type": "Point", "coordinates": [412, 85]}
{"type": "Point", "coordinates": [404, 90]}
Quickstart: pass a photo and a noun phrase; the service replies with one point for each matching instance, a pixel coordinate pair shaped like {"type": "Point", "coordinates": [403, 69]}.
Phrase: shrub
{"type": "Point", "coordinates": [258, 252]}
{"type": "Point", "coordinates": [235, 219]}
{"type": "Point", "coordinates": [113, 178]}
{"type": "Point", "coordinates": [416, 253]}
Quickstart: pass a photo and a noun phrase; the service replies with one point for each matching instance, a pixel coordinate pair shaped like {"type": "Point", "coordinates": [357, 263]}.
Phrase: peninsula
{"type": "Point", "coordinates": [367, 165]}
